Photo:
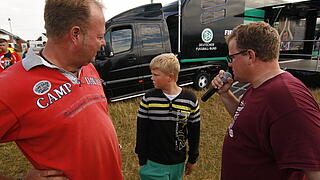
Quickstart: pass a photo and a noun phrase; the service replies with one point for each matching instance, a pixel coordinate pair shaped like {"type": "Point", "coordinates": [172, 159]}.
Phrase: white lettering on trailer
{"type": "Point", "coordinates": [227, 32]}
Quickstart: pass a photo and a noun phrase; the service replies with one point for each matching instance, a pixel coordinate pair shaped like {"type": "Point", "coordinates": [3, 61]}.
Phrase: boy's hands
{"type": "Point", "coordinates": [188, 168]}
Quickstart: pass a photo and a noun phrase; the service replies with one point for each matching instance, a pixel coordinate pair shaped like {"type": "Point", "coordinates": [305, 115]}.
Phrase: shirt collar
{"type": "Point", "coordinates": [32, 60]}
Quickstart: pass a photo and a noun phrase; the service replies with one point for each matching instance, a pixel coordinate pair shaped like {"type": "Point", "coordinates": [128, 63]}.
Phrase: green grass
{"type": "Point", "coordinates": [214, 121]}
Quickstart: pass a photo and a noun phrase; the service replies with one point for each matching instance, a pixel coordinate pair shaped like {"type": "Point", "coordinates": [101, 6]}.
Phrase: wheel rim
{"type": "Point", "coordinates": [203, 81]}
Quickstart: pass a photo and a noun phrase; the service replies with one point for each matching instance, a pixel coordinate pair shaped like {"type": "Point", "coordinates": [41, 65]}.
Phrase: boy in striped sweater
{"type": "Point", "coordinates": [168, 118]}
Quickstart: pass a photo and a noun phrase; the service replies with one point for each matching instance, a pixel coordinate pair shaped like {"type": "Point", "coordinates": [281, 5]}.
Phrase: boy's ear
{"type": "Point", "coordinates": [171, 76]}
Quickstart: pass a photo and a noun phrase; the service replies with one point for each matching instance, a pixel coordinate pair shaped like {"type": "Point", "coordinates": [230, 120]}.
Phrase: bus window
{"type": "Point", "coordinates": [291, 30]}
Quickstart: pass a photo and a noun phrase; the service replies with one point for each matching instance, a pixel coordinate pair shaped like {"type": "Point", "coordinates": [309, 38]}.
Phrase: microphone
{"type": "Point", "coordinates": [212, 90]}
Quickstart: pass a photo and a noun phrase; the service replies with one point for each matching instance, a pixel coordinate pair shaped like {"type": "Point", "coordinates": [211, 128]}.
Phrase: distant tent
{"type": "Point", "coordinates": [40, 38]}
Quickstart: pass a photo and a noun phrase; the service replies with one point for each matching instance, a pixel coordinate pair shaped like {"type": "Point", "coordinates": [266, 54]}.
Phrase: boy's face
{"type": "Point", "coordinates": [160, 79]}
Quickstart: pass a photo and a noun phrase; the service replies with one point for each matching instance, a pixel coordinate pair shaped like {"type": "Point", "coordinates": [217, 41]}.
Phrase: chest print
{"type": "Point", "coordinates": [5, 62]}
{"type": "Point", "coordinates": [182, 118]}
{"type": "Point", "coordinates": [235, 117]}
{"type": "Point", "coordinates": [50, 96]}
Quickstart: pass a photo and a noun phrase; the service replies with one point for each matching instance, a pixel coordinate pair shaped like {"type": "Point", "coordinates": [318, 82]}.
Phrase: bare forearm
{"type": "Point", "coordinates": [34, 174]}
{"type": "Point", "coordinates": [230, 102]}
{"type": "Point", "coordinates": [5, 178]}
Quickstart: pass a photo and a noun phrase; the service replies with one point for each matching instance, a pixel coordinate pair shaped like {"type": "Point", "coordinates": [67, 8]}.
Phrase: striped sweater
{"type": "Point", "coordinates": [164, 128]}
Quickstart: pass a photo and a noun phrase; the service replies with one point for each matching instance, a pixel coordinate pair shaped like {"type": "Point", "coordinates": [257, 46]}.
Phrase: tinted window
{"type": "Point", "coordinates": [107, 38]}
{"type": "Point", "coordinates": [151, 36]}
{"type": "Point", "coordinates": [121, 40]}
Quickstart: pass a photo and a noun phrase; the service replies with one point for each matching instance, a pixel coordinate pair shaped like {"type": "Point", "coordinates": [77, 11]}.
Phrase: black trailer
{"type": "Point", "coordinates": [195, 32]}
{"type": "Point", "coordinates": [136, 36]}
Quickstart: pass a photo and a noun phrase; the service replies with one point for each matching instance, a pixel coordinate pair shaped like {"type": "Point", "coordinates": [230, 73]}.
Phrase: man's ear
{"type": "Point", "coordinates": [75, 33]}
{"type": "Point", "coordinates": [252, 55]}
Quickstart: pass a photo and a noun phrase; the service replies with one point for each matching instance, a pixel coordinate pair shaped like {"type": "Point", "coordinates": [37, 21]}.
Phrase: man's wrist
{"type": "Point", "coordinates": [225, 93]}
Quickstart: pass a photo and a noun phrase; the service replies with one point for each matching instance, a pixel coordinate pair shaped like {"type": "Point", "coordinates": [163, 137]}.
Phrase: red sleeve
{"type": "Point", "coordinates": [8, 123]}
{"type": "Point", "coordinates": [16, 57]}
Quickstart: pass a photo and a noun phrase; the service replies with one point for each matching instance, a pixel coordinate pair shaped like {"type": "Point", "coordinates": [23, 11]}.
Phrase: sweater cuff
{"type": "Point", "coordinates": [142, 160]}
{"type": "Point", "coordinates": [192, 160]}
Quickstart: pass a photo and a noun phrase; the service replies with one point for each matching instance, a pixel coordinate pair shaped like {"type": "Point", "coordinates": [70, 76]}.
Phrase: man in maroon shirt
{"type": "Point", "coordinates": [275, 132]}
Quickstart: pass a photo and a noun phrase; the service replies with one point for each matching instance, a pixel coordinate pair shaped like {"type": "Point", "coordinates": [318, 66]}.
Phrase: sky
{"type": "Point", "coordinates": [26, 16]}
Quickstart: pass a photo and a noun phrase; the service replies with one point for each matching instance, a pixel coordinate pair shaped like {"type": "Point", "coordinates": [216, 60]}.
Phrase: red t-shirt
{"type": "Point", "coordinates": [8, 59]}
{"type": "Point", "coordinates": [60, 125]}
{"type": "Point", "coordinates": [275, 133]}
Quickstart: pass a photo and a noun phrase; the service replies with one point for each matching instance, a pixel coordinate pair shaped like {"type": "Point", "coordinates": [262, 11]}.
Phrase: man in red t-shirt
{"type": "Point", "coordinates": [7, 58]}
{"type": "Point", "coordinates": [275, 132]}
{"type": "Point", "coordinates": [53, 105]}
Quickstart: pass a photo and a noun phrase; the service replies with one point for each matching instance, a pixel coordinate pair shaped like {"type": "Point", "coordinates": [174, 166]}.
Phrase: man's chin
{"type": "Point", "coordinates": [89, 61]}
{"type": "Point", "coordinates": [93, 59]}
{"type": "Point", "coordinates": [86, 63]}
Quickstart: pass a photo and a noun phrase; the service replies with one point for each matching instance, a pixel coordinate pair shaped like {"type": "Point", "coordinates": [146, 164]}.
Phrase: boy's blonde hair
{"type": "Point", "coordinates": [166, 63]}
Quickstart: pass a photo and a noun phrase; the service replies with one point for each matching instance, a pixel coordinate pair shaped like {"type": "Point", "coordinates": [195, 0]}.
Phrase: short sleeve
{"type": "Point", "coordinates": [295, 140]}
{"type": "Point", "coordinates": [8, 124]}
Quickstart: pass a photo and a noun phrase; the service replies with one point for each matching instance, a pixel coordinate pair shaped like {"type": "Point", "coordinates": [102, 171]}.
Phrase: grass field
{"type": "Point", "coordinates": [214, 121]}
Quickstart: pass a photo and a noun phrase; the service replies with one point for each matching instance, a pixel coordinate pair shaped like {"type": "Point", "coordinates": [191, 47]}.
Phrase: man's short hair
{"type": "Point", "coordinates": [166, 63]}
{"type": "Point", "coordinates": [61, 15]}
{"type": "Point", "coordinates": [3, 40]}
{"type": "Point", "coordinates": [258, 36]}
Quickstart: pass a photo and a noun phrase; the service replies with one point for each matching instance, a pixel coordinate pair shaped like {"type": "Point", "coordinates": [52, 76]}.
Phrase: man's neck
{"type": "Point", "coordinates": [56, 55]}
{"type": "Point", "coordinates": [265, 72]}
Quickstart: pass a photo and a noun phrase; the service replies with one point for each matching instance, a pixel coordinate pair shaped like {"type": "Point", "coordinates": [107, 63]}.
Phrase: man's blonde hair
{"type": "Point", "coordinates": [166, 63]}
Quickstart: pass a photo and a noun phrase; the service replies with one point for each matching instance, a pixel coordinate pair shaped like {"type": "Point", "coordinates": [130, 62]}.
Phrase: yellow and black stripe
{"type": "Point", "coordinates": [164, 126]}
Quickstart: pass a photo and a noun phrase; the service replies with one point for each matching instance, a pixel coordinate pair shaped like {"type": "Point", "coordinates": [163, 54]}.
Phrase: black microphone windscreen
{"type": "Point", "coordinates": [226, 75]}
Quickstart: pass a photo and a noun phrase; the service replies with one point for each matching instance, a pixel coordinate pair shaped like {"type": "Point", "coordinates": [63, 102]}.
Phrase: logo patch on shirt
{"type": "Point", "coordinates": [54, 95]}
{"type": "Point", "coordinates": [42, 87]}
{"type": "Point", "coordinates": [93, 81]}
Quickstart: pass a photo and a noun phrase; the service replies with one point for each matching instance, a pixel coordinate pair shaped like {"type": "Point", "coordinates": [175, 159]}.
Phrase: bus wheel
{"type": "Point", "coordinates": [201, 81]}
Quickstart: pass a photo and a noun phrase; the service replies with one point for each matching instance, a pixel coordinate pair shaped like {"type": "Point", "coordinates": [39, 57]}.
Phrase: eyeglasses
{"type": "Point", "coordinates": [231, 56]}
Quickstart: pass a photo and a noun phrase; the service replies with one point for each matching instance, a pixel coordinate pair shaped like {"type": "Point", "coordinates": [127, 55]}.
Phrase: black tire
{"type": "Point", "coordinates": [201, 81]}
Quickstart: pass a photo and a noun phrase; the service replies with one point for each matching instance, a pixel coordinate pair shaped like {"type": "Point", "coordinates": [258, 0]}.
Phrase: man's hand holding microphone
{"type": "Point", "coordinates": [220, 84]}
